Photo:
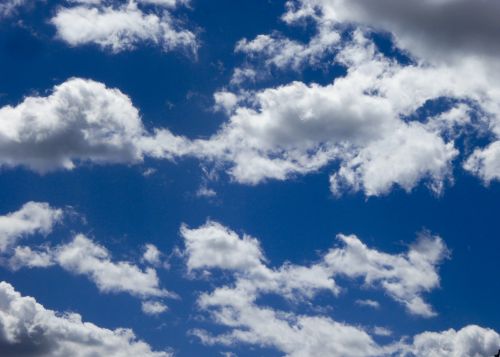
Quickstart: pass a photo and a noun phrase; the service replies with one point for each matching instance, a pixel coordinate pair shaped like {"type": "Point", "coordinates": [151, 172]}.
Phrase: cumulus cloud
{"type": "Point", "coordinates": [485, 162]}
{"type": "Point", "coordinates": [85, 257]}
{"type": "Point", "coordinates": [82, 256]}
{"type": "Point", "coordinates": [470, 341]}
{"type": "Point", "coordinates": [80, 121]}
{"type": "Point", "coordinates": [153, 307]}
{"type": "Point", "coordinates": [236, 306]}
{"type": "Point", "coordinates": [362, 122]}
{"type": "Point", "coordinates": [29, 329]}
{"type": "Point", "coordinates": [26, 257]}
{"type": "Point", "coordinates": [277, 51]}
{"type": "Point", "coordinates": [123, 27]}
{"type": "Point", "coordinates": [427, 28]}
{"type": "Point", "coordinates": [275, 127]}
{"type": "Point", "coordinates": [298, 128]}
{"type": "Point", "coordinates": [215, 246]}
{"type": "Point", "coordinates": [152, 255]}
{"type": "Point", "coordinates": [32, 218]}
{"type": "Point", "coordinates": [403, 277]}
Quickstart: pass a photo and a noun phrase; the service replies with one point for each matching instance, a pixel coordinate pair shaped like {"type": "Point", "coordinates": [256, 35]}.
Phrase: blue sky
{"type": "Point", "coordinates": [254, 178]}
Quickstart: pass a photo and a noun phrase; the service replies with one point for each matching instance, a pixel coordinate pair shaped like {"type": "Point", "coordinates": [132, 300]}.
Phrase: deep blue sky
{"type": "Point", "coordinates": [294, 220]}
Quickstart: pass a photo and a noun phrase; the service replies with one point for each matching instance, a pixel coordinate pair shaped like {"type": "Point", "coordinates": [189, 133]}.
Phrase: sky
{"type": "Point", "coordinates": [292, 178]}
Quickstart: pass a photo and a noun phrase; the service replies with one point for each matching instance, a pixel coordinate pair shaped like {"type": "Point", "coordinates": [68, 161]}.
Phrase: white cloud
{"type": "Point", "coordinates": [28, 329]}
{"type": "Point", "coordinates": [382, 331]}
{"type": "Point", "coordinates": [427, 28]}
{"type": "Point", "coordinates": [404, 277]}
{"type": "Point", "coordinates": [152, 255]}
{"type": "Point", "coordinates": [153, 307]}
{"type": "Point", "coordinates": [470, 341]}
{"type": "Point", "coordinates": [215, 246]}
{"type": "Point", "coordinates": [295, 336]}
{"type": "Point", "coordinates": [297, 128]}
{"type": "Point", "coordinates": [80, 121]}
{"type": "Point", "coordinates": [408, 155]}
{"type": "Point", "coordinates": [236, 306]}
{"type": "Point", "coordinates": [32, 218]}
{"type": "Point", "coordinates": [357, 122]}
{"type": "Point", "coordinates": [485, 162]}
{"type": "Point", "coordinates": [204, 191]}
{"type": "Point", "coordinates": [84, 257]}
{"type": "Point", "coordinates": [367, 302]}
{"type": "Point", "coordinates": [26, 257]}
{"type": "Point", "coordinates": [282, 53]}
{"type": "Point", "coordinates": [120, 28]}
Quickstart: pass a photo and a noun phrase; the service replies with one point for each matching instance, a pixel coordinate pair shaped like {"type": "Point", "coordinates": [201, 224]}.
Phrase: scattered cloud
{"type": "Point", "coordinates": [236, 306]}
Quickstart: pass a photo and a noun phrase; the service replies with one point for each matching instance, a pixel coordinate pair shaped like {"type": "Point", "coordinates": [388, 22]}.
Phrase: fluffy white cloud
{"type": "Point", "coordinates": [27, 257]}
{"type": "Point", "coordinates": [28, 329]}
{"type": "Point", "coordinates": [360, 122]}
{"type": "Point", "coordinates": [295, 336]}
{"type": "Point", "coordinates": [485, 163]}
{"type": "Point", "coordinates": [153, 307]}
{"type": "Point", "coordinates": [32, 218]}
{"type": "Point", "coordinates": [470, 341]}
{"type": "Point", "coordinates": [293, 129]}
{"type": "Point", "coordinates": [215, 246]}
{"type": "Point", "coordinates": [409, 154]}
{"type": "Point", "coordinates": [427, 28]}
{"type": "Point", "coordinates": [80, 121]}
{"type": "Point", "coordinates": [237, 305]}
{"type": "Point", "coordinates": [152, 255]}
{"type": "Point", "coordinates": [299, 128]}
{"type": "Point", "coordinates": [82, 256]}
{"type": "Point", "coordinates": [122, 27]}
{"type": "Point", "coordinates": [212, 246]}
{"type": "Point", "coordinates": [404, 277]}
{"type": "Point", "coordinates": [283, 53]}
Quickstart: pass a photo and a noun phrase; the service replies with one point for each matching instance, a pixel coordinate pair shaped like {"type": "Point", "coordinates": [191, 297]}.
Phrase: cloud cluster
{"type": "Point", "coordinates": [427, 28]}
{"type": "Point", "coordinates": [80, 256]}
{"type": "Point", "coordinates": [123, 25]}
{"type": "Point", "coordinates": [237, 306]}
{"type": "Point", "coordinates": [29, 329]}
{"type": "Point", "coordinates": [367, 125]}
